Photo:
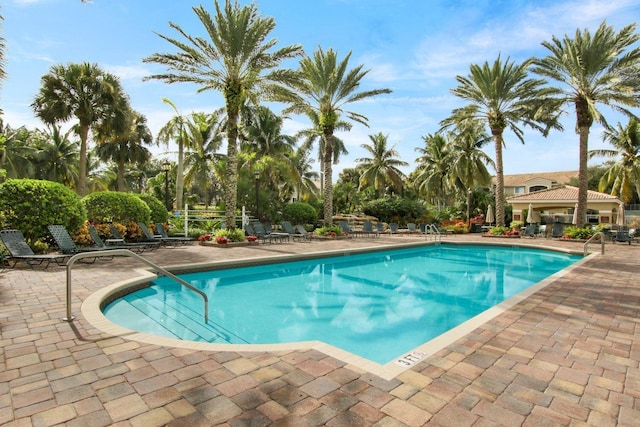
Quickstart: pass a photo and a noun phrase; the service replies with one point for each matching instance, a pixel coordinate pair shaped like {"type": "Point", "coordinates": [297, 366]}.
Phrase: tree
{"type": "Point", "coordinates": [237, 62]}
{"type": "Point", "coordinates": [305, 187]}
{"type": "Point", "coordinates": [83, 91]}
{"type": "Point", "coordinates": [502, 95]}
{"type": "Point", "coordinates": [592, 70]}
{"type": "Point", "coordinates": [175, 129]}
{"type": "Point", "coordinates": [18, 154]}
{"type": "Point", "coordinates": [381, 169]}
{"type": "Point", "coordinates": [433, 170]}
{"type": "Point", "coordinates": [57, 156]}
{"type": "Point", "coordinates": [468, 161]}
{"type": "Point", "coordinates": [325, 87]}
{"type": "Point", "coordinates": [126, 147]}
{"type": "Point", "coordinates": [623, 176]}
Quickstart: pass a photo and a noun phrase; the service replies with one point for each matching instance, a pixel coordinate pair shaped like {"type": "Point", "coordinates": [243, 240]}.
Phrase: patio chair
{"type": "Point", "coordinates": [346, 228]}
{"type": "Point", "coordinates": [622, 235]}
{"type": "Point", "coordinates": [118, 239]}
{"type": "Point", "coordinates": [530, 230]}
{"type": "Point", "coordinates": [302, 233]}
{"type": "Point", "coordinates": [19, 250]}
{"type": "Point", "coordinates": [179, 240]}
{"type": "Point", "coordinates": [393, 226]}
{"type": "Point", "coordinates": [556, 230]}
{"type": "Point", "coordinates": [150, 237]}
{"type": "Point", "coordinates": [380, 227]}
{"type": "Point", "coordinates": [367, 229]}
{"type": "Point", "coordinates": [95, 236]}
{"type": "Point", "coordinates": [67, 246]}
{"type": "Point", "coordinates": [412, 228]}
{"type": "Point", "coordinates": [271, 237]}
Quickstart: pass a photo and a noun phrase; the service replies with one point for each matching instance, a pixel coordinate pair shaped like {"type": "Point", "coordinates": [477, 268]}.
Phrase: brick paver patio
{"type": "Point", "coordinates": [568, 355]}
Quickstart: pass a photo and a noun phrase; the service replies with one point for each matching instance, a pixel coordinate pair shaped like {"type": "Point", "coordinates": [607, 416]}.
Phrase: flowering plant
{"type": "Point", "coordinates": [221, 240]}
{"type": "Point", "coordinates": [252, 238]}
{"type": "Point", "coordinates": [204, 238]}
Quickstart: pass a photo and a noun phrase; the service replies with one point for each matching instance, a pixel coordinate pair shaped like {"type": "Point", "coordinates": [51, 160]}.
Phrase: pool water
{"type": "Point", "coordinates": [377, 305]}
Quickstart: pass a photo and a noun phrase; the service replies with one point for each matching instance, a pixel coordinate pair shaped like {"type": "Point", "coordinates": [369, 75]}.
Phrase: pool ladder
{"type": "Point", "coordinates": [586, 244]}
{"type": "Point", "coordinates": [125, 252]}
{"type": "Point", "coordinates": [431, 232]}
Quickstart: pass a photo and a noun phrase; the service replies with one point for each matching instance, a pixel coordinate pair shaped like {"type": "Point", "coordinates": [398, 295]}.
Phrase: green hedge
{"type": "Point", "coordinates": [30, 205]}
{"type": "Point", "coordinates": [300, 213]}
{"type": "Point", "coordinates": [158, 210]}
{"type": "Point", "coordinates": [395, 210]}
{"type": "Point", "coordinates": [108, 206]}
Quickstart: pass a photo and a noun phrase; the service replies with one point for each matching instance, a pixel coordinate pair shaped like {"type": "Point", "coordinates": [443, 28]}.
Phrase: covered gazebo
{"type": "Point", "coordinates": [558, 201]}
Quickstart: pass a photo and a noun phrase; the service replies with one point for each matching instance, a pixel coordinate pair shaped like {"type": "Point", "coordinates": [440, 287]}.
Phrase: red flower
{"type": "Point", "coordinates": [204, 238]}
{"type": "Point", "coordinates": [252, 238]}
{"type": "Point", "coordinates": [221, 240]}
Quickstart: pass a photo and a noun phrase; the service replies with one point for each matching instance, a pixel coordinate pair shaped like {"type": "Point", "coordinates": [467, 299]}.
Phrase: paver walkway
{"type": "Point", "coordinates": [568, 355]}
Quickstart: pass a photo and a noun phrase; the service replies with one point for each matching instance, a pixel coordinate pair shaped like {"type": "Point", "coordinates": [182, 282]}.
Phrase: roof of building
{"type": "Point", "coordinates": [521, 178]}
{"type": "Point", "coordinates": [562, 193]}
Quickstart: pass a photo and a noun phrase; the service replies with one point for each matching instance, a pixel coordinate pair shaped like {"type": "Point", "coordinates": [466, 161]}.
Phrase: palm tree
{"type": "Point", "coordinates": [502, 95]}
{"type": "Point", "coordinates": [381, 169]}
{"type": "Point", "coordinates": [57, 156]}
{"type": "Point", "coordinates": [591, 70]}
{"type": "Point", "coordinates": [468, 161]}
{"type": "Point", "coordinates": [434, 169]}
{"type": "Point", "coordinates": [175, 129]}
{"type": "Point", "coordinates": [623, 176]}
{"type": "Point", "coordinates": [127, 147]}
{"type": "Point", "coordinates": [3, 46]}
{"type": "Point", "coordinates": [83, 91]}
{"type": "Point", "coordinates": [326, 86]}
{"type": "Point", "coordinates": [18, 153]}
{"type": "Point", "coordinates": [201, 160]}
{"type": "Point", "coordinates": [238, 63]}
{"type": "Point", "coordinates": [305, 187]}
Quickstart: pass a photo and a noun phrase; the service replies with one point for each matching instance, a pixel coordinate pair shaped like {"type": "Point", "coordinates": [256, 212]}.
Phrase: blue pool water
{"type": "Point", "coordinates": [377, 305]}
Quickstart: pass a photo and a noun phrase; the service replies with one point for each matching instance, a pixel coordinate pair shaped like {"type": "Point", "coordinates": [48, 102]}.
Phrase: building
{"type": "Point", "coordinates": [524, 183]}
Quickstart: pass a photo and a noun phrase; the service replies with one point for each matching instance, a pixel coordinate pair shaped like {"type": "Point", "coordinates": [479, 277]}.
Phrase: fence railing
{"type": "Point", "coordinates": [214, 218]}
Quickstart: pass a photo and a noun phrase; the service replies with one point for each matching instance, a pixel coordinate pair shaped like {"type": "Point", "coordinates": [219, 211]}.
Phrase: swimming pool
{"type": "Point", "coordinates": [377, 305]}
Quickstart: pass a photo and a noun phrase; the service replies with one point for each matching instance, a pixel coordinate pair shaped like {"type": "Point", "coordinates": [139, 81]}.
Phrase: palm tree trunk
{"type": "Point", "coordinates": [497, 140]}
{"type": "Point", "coordinates": [231, 171]}
{"type": "Point", "coordinates": [180, 174]}
{"type": "Point", "coordinates": [583, 176]}
{"type": "Point", "coordinates": [328, 179]}
{"type": "Point", "coordinates": [121, 166]}
{"type": "Point", "coordinates": [82, 167]}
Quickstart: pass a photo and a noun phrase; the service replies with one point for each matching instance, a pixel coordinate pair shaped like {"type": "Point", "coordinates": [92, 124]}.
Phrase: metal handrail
{"type": "Point", "coordinates": [126, 252]}
{"type": "Point", "coordinates": [602, 237]}
{"type": "Point", "coordinates": [436, 233]}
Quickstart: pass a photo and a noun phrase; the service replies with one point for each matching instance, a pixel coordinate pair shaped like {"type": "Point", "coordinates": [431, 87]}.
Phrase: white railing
{"type": "Point", "coordinates": [431, 231]}
{"type": "Point", "coordinates": [586, 244]}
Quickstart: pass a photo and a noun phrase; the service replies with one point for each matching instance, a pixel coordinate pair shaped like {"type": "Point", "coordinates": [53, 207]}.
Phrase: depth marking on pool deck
{"type": "Point", "coordinates": [411, 358]}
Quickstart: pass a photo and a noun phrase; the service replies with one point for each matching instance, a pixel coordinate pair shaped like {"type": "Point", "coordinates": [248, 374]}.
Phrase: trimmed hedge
{"type": "Point", "coordinates": [158, 210]}
{"type": "Point", "coordinates": [30, 205]}
{"type": "Point", "coordinates": [300, 213]}
{"type": "Point", "coordinates": [114, 206]}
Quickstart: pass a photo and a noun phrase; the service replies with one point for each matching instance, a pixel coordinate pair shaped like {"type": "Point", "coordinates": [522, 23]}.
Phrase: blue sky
{"type": "Point", "coordinates": [413, 47]}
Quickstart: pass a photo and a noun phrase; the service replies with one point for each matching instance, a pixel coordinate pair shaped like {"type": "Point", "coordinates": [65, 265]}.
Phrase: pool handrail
{"type": "Point", "coordinates": [432, 229]}
{"type": "Point", "coordinates": [125, 252]}
{"type": "Point", "coordinates": [586, 244]}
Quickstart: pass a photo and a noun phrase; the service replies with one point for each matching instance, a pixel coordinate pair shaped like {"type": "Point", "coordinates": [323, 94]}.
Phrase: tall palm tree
{"type": "Point", "coordinates": [433, 169]}
{"type": "Point", "coordinates": [305, 187]}
{"type": "Point", "coordinates": [382, 168]}
{"type": "Point", "coordinates": [503, 96]}
{"type": "Point", "coordinates": [591, 70]}
{"type": "Point", "coordinates": [3, 47]}
{"type": "Point", "coordinates": [57, 157]}
{"type": "Point", "coordinates": [18, 153]}
{"type": "Point", "coordinates": [204, 132]}
{"type": "Point", "coordinates": [468, 161]}
{"type": "Point", "coordinates": [175, 129]}
{"type": "Point", "coordinates": [85, 92]}
{"type": "Point", "coordinates": [238, 62]}
{"type": "Point", "coordinates": [326, 86]}
{"type": "Point", "coordinates": [623, 176]}
{"type": "Point", "coordinates": [126, 147]}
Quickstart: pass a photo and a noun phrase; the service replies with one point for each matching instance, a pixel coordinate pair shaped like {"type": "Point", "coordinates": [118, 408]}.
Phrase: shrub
{"type": "Point", "coordinates": [395, 210]}
{"type": "Point", "coordinates": [516, 225]}
{"type": "Point", "coordinates": [329, 231]}
{"type": "Point", "coordinates": [158, 210]}
{"type": "Point", "coordinates": [300, 213]}
{"type": "Point", "coordinates": [233, 235]}
{"type": "Point", "coordinates": [30, 205]}
{"type": "Point", "coordinates": [578, 233]}
{"type": "Point", "coordinates": [114, 206]}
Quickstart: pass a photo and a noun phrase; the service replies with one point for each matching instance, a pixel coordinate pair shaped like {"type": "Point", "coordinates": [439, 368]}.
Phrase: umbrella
{"type": "Point", "coordinates": [575, 215]}
{"type": "Point", "coordinates": [530, 214]}
{"type": "Point", "coordinates": [490, 217]}
{"type": "Point", "coordinates": [620, 219]}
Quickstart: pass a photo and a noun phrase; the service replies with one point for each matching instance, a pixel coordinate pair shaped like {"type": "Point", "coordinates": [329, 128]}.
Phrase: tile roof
{"type": "Point", "coordinates": [565, 192]}
{"type": "Point", "coordinates": [520, 179]}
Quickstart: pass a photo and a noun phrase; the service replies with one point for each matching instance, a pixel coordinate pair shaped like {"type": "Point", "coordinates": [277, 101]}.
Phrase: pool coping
{"type": "Point", "coordinates": [91, 310]}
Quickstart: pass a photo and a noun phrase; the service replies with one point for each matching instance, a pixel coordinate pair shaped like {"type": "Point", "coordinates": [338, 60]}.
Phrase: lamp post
{"type": "Point", "coordinates": [256, 175]}
{"type": "Point", "coordinates": [166, 166]}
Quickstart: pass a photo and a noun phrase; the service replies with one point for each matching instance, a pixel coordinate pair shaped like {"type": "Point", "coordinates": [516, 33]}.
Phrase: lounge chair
{"type": "Point", "coordinates": [302, 233]}
{"type": "Point", "coordinates": [149, 237]}
{"type": "Point", "coordinates": [530, 231]}
{"type": "Point", "coordinates": [137, 248]}
{"type": "Point", "coordinates": [294, 232]}
{"type": "Point", "coordinates": [118, 239]}
{"type": "Point", "coordinates": [19, 250]}
{"type": "Point", "coordinates": [393, 226]}
{"type": "Point", "coordinates": [163, 235]}
{"type": "Point", "coordinates": [67, 246]}
{"type": "Point", "coordinates": [412, 228]}
{"type": "Point", "coordinates": [346, 229]}
{"type": "Point", "coordinates": [367, 230]}
{"type": "Point", "coordinates": [556, 230]}
{"type": "Point", "coordinates": [622, 235]}
{"type": "Point", "coordinates": [380, 227]}
{"type": "Point", "coordinates": [261, 232]}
